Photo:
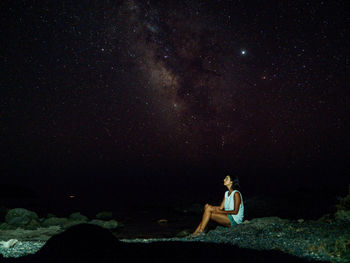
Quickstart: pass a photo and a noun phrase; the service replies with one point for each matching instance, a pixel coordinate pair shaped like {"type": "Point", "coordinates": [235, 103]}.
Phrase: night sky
{"type": "Point", "coordinates": [123, 90]}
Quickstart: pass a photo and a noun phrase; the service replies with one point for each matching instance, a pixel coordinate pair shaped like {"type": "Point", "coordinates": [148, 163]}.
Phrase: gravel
{"type": "Point", "coordinates": [21, 248]}
{"type": "Point", "coordinates": [324, 241]}
{"type": "Point", "coordinates": [308, 240]}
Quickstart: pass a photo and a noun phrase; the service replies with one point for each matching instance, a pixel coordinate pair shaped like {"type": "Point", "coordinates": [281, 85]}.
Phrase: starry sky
{"type": "Point", "coordinates": [222, 86]}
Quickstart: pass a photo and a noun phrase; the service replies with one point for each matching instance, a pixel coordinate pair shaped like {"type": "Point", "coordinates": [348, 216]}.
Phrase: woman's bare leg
{"type": "Point", "coordinates": [205, 219]}
{"type": "Point", "coordinates": [222, 219]}
{"type": "Point", "coordinates": [198, 227]}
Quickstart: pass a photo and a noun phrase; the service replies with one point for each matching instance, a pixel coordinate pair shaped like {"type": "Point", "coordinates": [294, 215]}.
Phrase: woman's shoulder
{"type": "Point", "coordinates": [236, 192]}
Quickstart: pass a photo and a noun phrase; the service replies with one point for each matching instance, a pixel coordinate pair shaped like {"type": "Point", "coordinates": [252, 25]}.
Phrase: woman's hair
{"type": "Point", "coordinates": [235, 183]}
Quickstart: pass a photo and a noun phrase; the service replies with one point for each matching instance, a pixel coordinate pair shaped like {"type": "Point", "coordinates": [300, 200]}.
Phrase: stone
{"type": "Point", "coordinates": [325, 218]}
{"type": "Point", "coordinates": [104, 215]}
{"type": "Point", "coordinates": [183, 233]}
{"type": "Point", "coordinates": [78, 217]}
{"type": "Point", "coordinates": [70, 223]}
{"type": "Point", "coordinates": [54, 221]}
{"type": "Point", "coordinates": [344, 202]}
{"type": "Point", "coordinates": [20, 217]}
{"type": "Point", "coordinates": [81, 243]}
{"type": "Point", "coordinates": [33, 224]}
{"type": "Point", "coordinates": [342, 215]}
{"type": "Point", "coordinates": [20, 221]}
{"type": "Point", "coordinates": [5, 226]}
{"type": "Point", "coordinates": [111, 224]}
{"type": "Point", "coordinates": [49, 215]}
{"type": "Point", "coordinates": [9, 244]}
{"type": "Point", "coordinates": [162, 222]}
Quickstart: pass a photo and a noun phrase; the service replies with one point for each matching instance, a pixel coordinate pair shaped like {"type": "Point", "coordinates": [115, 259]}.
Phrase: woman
{"type": "Point", "coordinates": [229, 213]}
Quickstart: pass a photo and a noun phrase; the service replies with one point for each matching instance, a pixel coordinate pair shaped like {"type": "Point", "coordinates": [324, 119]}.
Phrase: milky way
{"type": "Point", "coordinates": [179, 59]}
{"type": "Point", "coordinates": [193, 81]}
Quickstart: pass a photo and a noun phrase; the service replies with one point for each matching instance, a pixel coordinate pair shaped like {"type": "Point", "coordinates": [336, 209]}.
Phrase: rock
{"type": "Point", "coordinates": [342, 215]}
{"type": "Point", "coordinates": [54, 221]}
{"type": "Point", "coordinates": [33, 224]}
{"type": "Point", "coordinates": [342, 248]}
{"type": "Point", "coordinates": [49, 215]}
{"type": "Point", "coordinates": [162, 222]}
{"type": "Point", "coordinates": [20, 217]}
{"type": "Point", "coordinates": [72, 223]}
{"type": "Point", "coordinates": [78, 217]}
{"type": "Point", "coordinates": [97, 222]}
{"type": "Point", "coordinates": [5, 226]}
{"type": "Point", "coordinates": [18, 221]}
{"type": "Point", "coordinates": [8, 244]}
{"type": "Point", "coordinates": [300, 220]}
{"type": "Point", "coordinates": [183, 233]}
{"type": "Point", "coordinates": [111, 224]}
{"type": "Point", "coordinates": [325, 218]}
{"type": "Point", "coordinates": [104, 215]}
{"type": "Point", "coordinates": [81, 243]}
{"type": "Point", "coordinates": [344, 202]}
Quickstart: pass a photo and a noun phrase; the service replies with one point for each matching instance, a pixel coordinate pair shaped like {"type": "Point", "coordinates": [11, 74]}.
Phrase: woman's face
{"type": "Point", "coordinates": [227, 180]}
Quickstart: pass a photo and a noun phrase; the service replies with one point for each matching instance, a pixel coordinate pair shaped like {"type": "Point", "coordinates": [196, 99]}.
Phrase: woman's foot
{"type": "Point", "coordinates": [197, 234]}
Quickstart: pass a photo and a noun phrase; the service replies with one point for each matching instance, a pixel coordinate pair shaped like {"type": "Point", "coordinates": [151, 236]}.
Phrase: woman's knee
{"type": "Point", "coordinates": [208, 208]}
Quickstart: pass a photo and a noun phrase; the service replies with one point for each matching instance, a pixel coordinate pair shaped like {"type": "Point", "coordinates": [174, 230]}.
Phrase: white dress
{"type": "Point", "coordinates": [230, 205]}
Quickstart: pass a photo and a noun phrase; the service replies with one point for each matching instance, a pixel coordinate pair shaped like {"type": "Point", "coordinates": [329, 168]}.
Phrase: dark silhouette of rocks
{"type": "Point", "coordinates": [91, 243]}
{"type": "Point", "coordinates": [79, 243]}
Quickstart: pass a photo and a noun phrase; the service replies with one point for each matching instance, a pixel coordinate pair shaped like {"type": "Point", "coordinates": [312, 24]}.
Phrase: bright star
{"type": "Point", "coordinates": [243, 52]}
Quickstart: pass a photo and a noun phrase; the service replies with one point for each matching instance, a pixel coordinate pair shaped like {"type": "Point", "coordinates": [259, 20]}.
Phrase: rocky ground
{"type": "Point", "coordinates": [316, 240]}
{"type": "Point", "coordinates": [324, 239]}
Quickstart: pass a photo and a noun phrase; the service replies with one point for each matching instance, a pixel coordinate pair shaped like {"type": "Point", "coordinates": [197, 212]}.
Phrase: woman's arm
{"type": "Point", "coordinates": [237, 198]}
{"type": "Point", "coordinates": [222, 206]}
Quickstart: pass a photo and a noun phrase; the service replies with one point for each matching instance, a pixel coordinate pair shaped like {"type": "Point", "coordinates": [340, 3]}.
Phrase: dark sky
{"type": "Point", "coordinates": [245, 87]}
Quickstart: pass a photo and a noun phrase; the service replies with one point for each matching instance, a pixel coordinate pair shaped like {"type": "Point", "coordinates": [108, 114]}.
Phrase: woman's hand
{"type": "Point", "coordinates": [217, 209]}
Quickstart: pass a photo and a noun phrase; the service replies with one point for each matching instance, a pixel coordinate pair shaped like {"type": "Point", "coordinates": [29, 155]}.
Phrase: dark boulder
{"type": "Point", "coordinates": [81, 243]}
{"type": "Point", "coordinates": [105, 215]}
{"type": "Point", "coordinates": [20, 217]}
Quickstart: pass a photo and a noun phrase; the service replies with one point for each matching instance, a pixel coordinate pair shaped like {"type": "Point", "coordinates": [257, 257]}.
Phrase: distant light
{"type": "Point", "coordinates": [71, 196]}
{"type": "Point", "coordinates": [243, 52]}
